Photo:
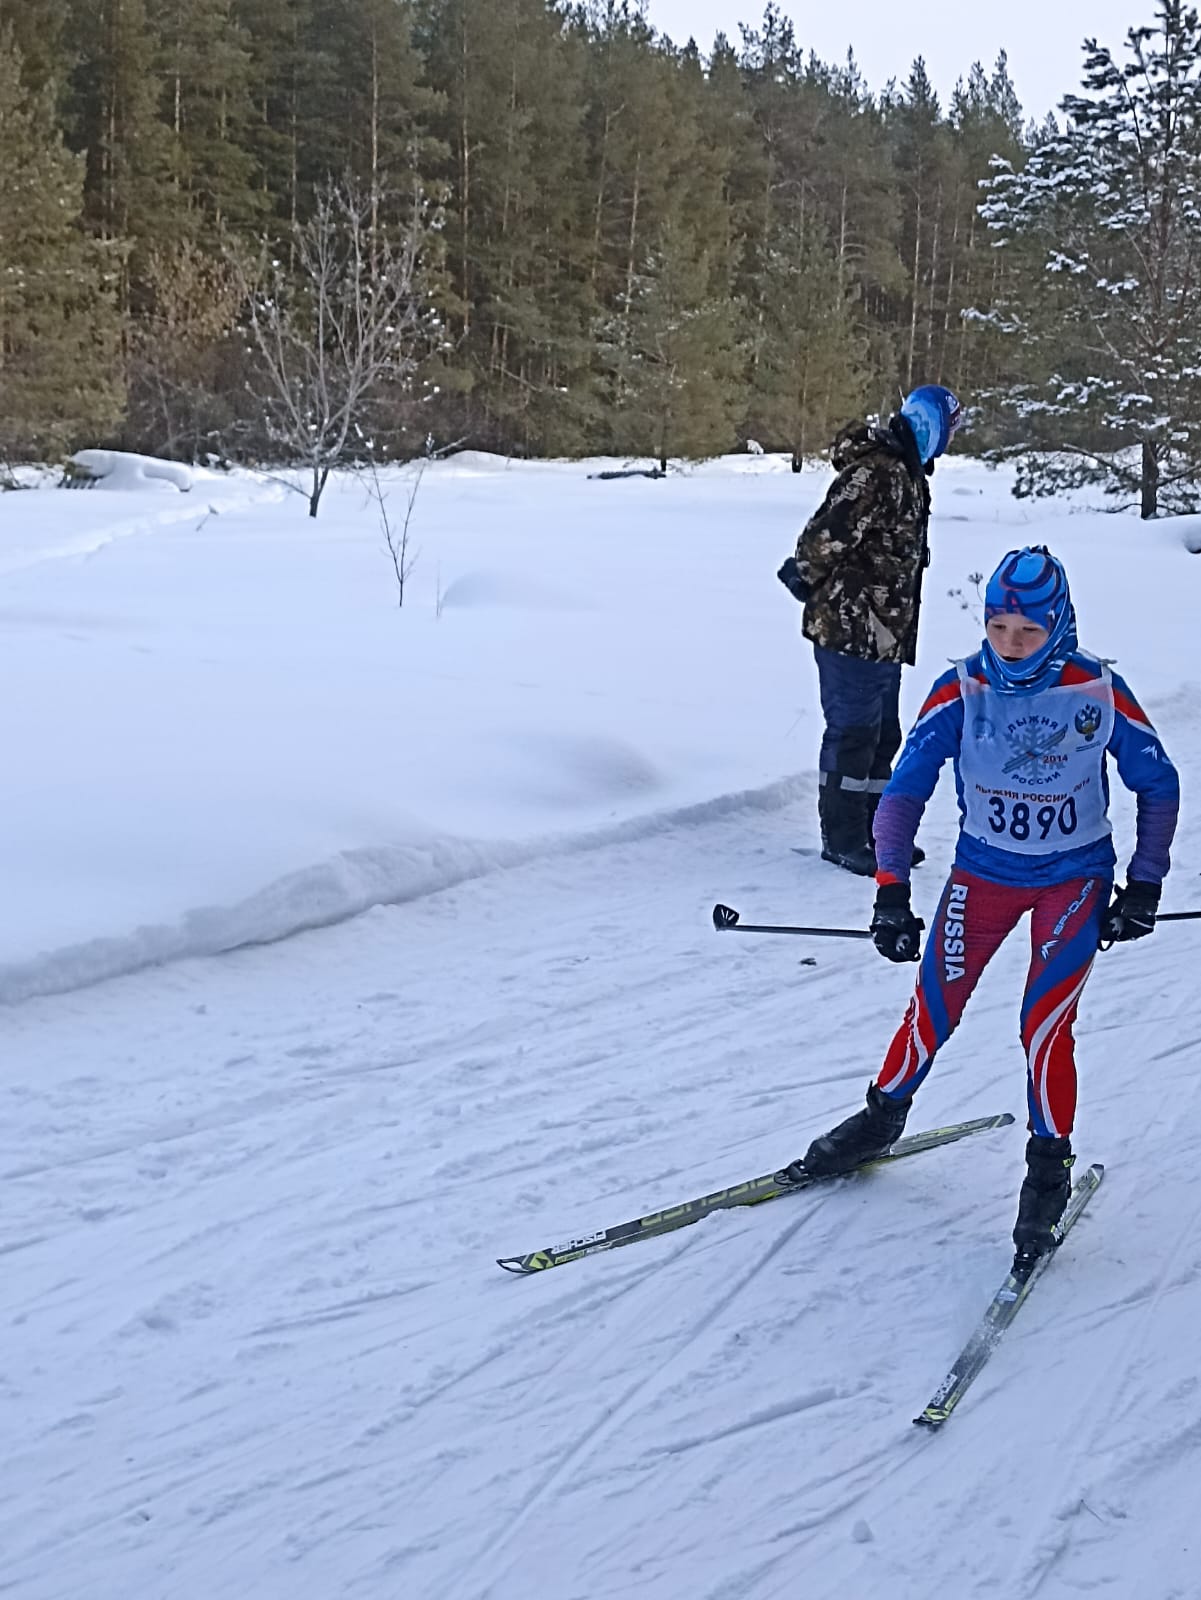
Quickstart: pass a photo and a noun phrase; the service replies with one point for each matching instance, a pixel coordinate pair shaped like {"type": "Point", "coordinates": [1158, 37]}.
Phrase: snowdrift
{"type": "Point", "coordinates": [228, 732]}
{"type": "Point", "coordinates": [125, 471]}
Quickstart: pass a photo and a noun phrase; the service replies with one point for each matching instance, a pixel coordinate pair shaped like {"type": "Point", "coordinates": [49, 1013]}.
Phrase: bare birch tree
{"type": "Point", "coordinates": [333, 330]}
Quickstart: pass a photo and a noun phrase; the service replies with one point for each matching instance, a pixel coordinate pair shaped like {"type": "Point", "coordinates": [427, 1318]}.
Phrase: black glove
{"type": "Point", "coordinates": [896, 932]}
{"type": "Point", "coordinates": [1131, 913]}
{"type": "Point", "coordinates": [790, 576]}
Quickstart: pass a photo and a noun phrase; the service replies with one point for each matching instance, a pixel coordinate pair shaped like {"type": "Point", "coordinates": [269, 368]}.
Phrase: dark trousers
{"type": "Point", "coordinates": [861, 705]}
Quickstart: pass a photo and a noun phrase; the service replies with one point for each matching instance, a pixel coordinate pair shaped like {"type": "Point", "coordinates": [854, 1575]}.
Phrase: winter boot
{"type": "Point", "coordinates": [873, 805]}
{"type": "Point", "coordinates": [868, 1134]}
{"type": "Point", "coordinates": [1042, 1201]}
{"type": "Point", "coordinates": [843, 817]}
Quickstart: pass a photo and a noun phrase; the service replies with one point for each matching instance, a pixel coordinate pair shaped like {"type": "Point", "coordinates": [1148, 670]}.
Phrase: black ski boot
{"type": "Point", "coordinates": [869, 1133]}
{"type": "Point", "coordinates": [1042, 1201]}
{"type": "Point", "coordinates": [846, 842]}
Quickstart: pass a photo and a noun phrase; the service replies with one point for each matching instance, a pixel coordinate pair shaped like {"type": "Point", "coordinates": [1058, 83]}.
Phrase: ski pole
{"type": "Point", "coordinates": [1160, 916]}
{"type": "Point", "coordinates": [725, 920]}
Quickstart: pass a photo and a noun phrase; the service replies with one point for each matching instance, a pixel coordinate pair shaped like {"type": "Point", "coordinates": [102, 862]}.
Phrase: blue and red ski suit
{"type": "Point", "coordinates": [1028, 778]}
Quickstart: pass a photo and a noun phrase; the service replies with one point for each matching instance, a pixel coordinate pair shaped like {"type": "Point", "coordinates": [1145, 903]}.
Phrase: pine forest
{"type": "Point", "coordinates": [313, 231]}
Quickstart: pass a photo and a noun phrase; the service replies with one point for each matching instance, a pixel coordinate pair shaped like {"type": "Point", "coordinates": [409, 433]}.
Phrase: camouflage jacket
{"type": "Point", "coordinates": [862, 554]}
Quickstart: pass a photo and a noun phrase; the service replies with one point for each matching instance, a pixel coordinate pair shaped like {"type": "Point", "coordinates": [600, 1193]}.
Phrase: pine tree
{"type": "Point", "coordinates": [664, 251]}
{"type": "Point", "coordinates": [202, 65]}
{"type": "Point", "coordinates": [39, 35]}
{"type": "Point", "coordinates": [59, 329]}
{"type": "Point", "coordinates": [772, 70]}
{"type": "Point", "coordinates": [115, 94]}
{"type": "Point", "coordinates": [923, 164]}
{"type": "Point", "coordinates": [287, 76]}
{"type": "Point", "coordinates": [861, 209]}
{"type": "Point", "coordinates": [821, 276]}
{"type": "Point", "coordinates": [727, 124]}
{"type": "Point", "coordinates": [812, 372]}
{"type": "Point", "coordinates": [676, 365]}
{"type": "Point", "coordinates": [511, 73]}
{"type": "Point", "coordinates": [374, 107]}
{"type": "Point", "coordinates": [986, 125]}
{"type": "Point", "coordinates": [1104, 221]}
{"type": "Point", "coordinates": [824, 267]}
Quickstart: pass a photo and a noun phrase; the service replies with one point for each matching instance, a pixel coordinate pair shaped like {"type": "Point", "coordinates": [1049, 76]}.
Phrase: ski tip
{"type": "Point", "coordinates": [1006, 1119]}
{"type": "Point", "coordinates": [518, 1265]}
{"type": "Point", "coordinates": [932, 1418]}
{"type": "Point", "coordinates": [1089, 1179]}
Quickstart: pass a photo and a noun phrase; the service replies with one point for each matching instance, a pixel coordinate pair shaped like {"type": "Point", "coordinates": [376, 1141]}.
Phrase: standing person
{"type": "Point", "coordinates": [858, 568]}
{"type": "Point", "coordinates": [1028, 722]}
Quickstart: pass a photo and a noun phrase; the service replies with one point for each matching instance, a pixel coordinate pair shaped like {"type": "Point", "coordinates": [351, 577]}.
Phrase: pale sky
{"type": "Point", "coordinates": [1043, 37]}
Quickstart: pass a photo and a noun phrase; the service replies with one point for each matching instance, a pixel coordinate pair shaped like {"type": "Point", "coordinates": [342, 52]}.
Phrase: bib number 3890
{"type": "Point", "coordinates": [1021, 820]}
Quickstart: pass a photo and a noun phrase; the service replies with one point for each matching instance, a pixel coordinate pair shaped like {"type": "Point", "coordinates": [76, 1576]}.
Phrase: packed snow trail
{"type": "Point", "coordinates": [256, 1343]}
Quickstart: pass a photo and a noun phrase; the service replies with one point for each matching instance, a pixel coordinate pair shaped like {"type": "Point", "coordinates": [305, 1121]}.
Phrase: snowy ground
{"type": "Point", "coordinates": [254, 1343]}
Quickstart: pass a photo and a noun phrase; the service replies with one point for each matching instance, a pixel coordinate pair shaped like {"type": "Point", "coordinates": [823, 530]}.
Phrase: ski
{"type": "Point", "coordinates": [752, 1193]}
{"type": "Point", "coordinates": [1005, 1305]}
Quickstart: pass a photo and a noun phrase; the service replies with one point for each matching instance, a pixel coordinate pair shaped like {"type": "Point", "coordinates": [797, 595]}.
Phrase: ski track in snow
{"type": "Point", "coordinates": [1136, 1372]}
{"type": "Point", "coordinates": [256, 1345]}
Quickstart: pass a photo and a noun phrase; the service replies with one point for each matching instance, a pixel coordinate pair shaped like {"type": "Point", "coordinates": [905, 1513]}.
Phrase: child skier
{"type": "Point", "coordinates": [1028, 721]}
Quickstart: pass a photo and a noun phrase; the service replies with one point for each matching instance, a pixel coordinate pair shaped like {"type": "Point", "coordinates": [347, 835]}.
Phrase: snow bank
{"type": "Point", "coordinates": [121, 469]}
{"type": "Point", "coordinates": [471, 464]}
{"type": "Point", "coordinates": [228, 732]}
{"type": "Point", "coordinates": [345, 886]}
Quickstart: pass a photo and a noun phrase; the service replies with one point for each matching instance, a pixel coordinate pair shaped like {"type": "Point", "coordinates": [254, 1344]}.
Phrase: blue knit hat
{"type": "Point", "coordinates": [934, 414]}
{"type": "Point", "coordinates": [1030, 583]}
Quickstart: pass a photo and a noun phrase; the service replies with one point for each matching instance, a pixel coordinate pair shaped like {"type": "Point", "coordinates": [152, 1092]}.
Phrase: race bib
{"type": "Point", "coordinates": [1032, 766]}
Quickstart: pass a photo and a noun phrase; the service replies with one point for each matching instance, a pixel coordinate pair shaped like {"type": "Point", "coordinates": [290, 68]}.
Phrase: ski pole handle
{"type": "Point", "coordinates": [1160, 916]}
{"type": "Point", "coordinates": [725, 920]}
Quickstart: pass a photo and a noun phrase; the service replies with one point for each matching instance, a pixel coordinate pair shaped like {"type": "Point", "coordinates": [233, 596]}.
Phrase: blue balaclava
{"type": "Point", "coordinates": [1030, 582]}
{"type": "Point", "coordinates": [934, 414]}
